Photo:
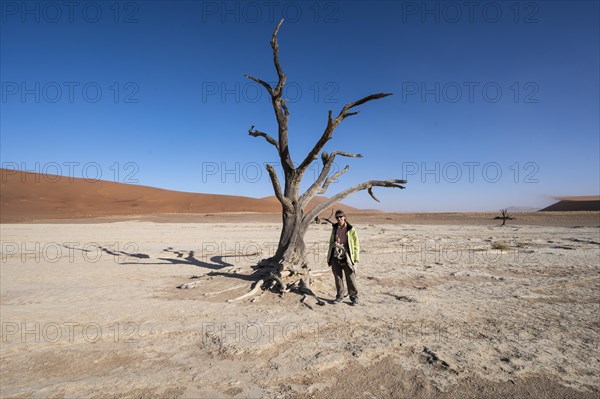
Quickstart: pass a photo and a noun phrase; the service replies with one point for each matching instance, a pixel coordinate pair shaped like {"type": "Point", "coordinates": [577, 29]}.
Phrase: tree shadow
{"type": "Point", "coordinates": [218, 262]}
{"type": "Point", "coordinates": [185, 257]}
{"type": "Point", "coordinates": [123, 253]}
{"type": "Point", "coordinates": [181, 257]}
{"type": "Point", "coordinates": [93, 248]}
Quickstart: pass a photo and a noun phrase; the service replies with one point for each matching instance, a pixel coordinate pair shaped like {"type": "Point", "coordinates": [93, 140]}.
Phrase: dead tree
{"type": "Point", "coordinates": [505, 216]}
{"type": "Point", "coordinates": [290, 257]}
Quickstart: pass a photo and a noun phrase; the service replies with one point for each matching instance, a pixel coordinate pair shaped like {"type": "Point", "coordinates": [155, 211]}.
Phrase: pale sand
{"type": "Point", "coordinates": [441, 314]}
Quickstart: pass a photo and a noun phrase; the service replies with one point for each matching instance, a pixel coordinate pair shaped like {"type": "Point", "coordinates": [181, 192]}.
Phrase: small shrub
{"type": "Point", "coordinates": [500, 245]}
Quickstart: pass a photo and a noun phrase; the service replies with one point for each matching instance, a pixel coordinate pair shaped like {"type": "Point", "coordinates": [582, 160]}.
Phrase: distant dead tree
{"type": "Point", "coordinates": [290, 258]}
{"type": "Point", "coordinates": [504, 216]}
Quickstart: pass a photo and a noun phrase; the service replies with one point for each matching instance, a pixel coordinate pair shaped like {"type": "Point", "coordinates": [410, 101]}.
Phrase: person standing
{"type": "Point", "coordinates": [343, 257]}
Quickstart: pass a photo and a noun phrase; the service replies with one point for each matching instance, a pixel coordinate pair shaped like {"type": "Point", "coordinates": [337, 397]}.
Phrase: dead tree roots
{"type": "Point", "coordinates": [269, 280]}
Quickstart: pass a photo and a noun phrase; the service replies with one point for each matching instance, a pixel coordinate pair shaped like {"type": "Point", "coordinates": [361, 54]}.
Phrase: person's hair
{"type": "Point", "coordinates": [339, 212]}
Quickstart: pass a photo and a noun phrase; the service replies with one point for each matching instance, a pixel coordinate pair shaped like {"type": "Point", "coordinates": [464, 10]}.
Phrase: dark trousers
{"type": "Point", "coordinates": [338, 267]}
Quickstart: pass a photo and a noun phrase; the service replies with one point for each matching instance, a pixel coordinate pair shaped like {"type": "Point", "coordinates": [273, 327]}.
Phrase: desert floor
{"type": "Point", "coordinates": [93, 310]}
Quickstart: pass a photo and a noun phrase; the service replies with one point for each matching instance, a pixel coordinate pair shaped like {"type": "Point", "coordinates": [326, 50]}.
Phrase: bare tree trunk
{"type": "Point", "coordinates": [291, 249]}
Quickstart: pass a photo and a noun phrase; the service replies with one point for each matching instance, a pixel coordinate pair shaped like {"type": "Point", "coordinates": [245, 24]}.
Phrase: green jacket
{"type": "Point", "coordinates": [353, 245]}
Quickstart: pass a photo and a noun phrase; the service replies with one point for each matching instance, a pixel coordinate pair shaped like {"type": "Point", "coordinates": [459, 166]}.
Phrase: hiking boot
{"type": "Point", "coordinates": [338, 300]}
{"type": "Point", "coordinates": [354, 301]}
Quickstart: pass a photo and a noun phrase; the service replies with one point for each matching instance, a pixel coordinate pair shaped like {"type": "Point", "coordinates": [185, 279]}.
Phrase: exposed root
{"type": "Point", "coordinates": [187, 286]}
{"type": "Point", "coordinates": [276, 279]}
{"type": "Point", "coordinates": [279, 282]}
{"type": "Point", "coordinates": [256, 288]}
{"type": "Point", "coordinates": [225, 290]}
{"type": "Point", "coordinates": [319, 273]}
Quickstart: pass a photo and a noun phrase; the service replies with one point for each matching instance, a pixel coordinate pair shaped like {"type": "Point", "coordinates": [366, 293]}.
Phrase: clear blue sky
{"type": "Point", "coordinates": [496, 104]}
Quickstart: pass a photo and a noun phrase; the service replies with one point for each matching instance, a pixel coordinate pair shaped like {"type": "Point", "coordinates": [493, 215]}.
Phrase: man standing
{"type": "Point", "coordinates": [343, 257]}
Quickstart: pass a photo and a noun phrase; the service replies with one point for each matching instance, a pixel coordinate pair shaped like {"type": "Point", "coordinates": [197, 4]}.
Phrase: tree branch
{"type": "Point", "coordinates": [332, 124]}
{"type": "Point", "coordinates": [262, 82]}
{"type": "Point", "coordinates": [318, 186]}
{"type": "Point", "coordinates": [277, 187]}
{"type": "Point", "coordinates": [344, 111]}
{"type": "Point", "coordinates": [280, 109]}
{"type": "Point", "coordinates": [370, 191]}
{"type": "Point", "coordinates": [343, 194]}
{"type": "Point", "coordinates": [279, 106]}
{"type": "Point", "coordinates": [257, 133]}
{"type": "Point", "coordinates": [280, 74]}
{"type": "Point", "coordinates": [332, 178]}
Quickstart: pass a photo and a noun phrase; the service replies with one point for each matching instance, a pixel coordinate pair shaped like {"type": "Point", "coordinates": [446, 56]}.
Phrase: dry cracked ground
{"type": "Point", "coordinates": [446, 311]}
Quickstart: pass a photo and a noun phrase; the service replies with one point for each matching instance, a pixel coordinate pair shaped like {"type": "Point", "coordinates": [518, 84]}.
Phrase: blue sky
{"type": "Point", "coordinates": [496, 104]}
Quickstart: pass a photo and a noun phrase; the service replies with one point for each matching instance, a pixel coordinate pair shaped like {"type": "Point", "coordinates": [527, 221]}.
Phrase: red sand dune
{"type": "Point", "coordinates": [573, 204]}
{"type": "Point", "coordinates": [26, 196]}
